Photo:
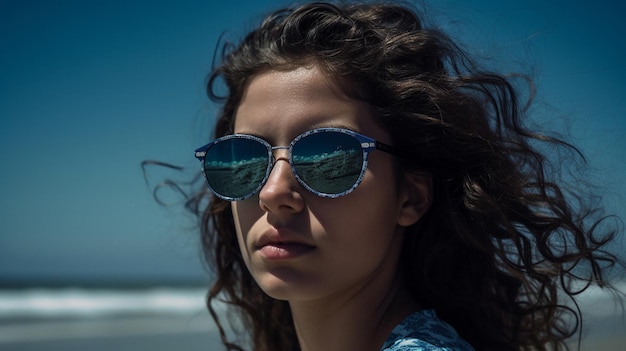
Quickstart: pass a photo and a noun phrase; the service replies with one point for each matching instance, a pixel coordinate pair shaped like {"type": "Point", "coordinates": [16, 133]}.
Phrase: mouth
{"type": "Point", "coordinates": [284, 250]}
{"type": "Point", "coordinates": [280, 244]}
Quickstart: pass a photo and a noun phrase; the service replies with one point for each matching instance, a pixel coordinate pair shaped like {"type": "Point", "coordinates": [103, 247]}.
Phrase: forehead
{"type": "Point", "coordinates": [284, 103]}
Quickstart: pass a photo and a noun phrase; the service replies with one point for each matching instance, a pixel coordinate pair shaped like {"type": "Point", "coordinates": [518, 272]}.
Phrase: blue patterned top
{"type": "Point", "coordinates": [423, 331]}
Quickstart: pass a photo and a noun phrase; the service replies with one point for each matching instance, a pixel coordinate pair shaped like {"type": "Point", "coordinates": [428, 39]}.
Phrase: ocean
{"type": "Point", "coordinates": [158, 318]}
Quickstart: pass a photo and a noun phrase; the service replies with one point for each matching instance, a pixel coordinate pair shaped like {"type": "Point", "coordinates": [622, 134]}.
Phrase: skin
{"type": "Point", "coordinates": [334, 260]}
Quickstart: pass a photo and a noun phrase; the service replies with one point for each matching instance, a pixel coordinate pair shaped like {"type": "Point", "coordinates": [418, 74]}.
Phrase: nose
{"type": "Point", "coordinates": [282, 192]}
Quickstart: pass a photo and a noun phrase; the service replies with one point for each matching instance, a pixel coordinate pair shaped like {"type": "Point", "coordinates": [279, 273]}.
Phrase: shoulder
{"type": "Point", "coordinates": [423, 331]}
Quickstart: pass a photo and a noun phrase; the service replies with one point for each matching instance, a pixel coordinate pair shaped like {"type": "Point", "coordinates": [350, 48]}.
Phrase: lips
{"type": "Point", "coordinates": [280, 244]}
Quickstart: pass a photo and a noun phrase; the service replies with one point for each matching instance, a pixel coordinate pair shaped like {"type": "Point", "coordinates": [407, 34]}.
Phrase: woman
{"type": "Point", "coordinates": [370, 188]}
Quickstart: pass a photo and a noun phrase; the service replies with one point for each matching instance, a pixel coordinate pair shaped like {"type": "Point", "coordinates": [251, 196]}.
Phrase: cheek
{"type": "Point", "coordinates": [378, 200]}
{"type": "Point", "coordinates": [245, 214]}
{"type": "Point", "coordinates": [369, 213]}
{"type": "Point", "coordinates": [378, 193]}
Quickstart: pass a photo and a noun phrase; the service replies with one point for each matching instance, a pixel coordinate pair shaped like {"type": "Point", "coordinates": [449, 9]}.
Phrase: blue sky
{"type": "Point", "coordinates": [89, 89]}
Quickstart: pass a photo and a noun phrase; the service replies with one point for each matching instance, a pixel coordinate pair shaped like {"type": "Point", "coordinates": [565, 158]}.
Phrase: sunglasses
{"type": "Point", "coordinates": [328, 162]}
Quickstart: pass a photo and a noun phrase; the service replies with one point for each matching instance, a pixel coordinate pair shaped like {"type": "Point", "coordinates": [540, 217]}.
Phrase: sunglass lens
{"type": "Point", "coordinates": [235, 167]}
{"type": "Point", "coordinates": [328, 162]}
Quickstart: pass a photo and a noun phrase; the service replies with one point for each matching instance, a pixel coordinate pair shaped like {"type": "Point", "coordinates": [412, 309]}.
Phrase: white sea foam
{"type": "Point", "coordinates": [56, 303]}
{"type": "Point", "coordinates": [71, 302]}
{"type": "Point", "coordinates": [38, 315]}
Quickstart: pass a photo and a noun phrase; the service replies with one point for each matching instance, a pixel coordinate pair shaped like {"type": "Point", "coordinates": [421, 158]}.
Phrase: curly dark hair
{"type": "Point", "coordinates": [503, 241]}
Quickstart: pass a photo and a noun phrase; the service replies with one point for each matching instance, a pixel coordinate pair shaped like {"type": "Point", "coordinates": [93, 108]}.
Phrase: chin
{"type": "Point", "coordinates": [287, 285]}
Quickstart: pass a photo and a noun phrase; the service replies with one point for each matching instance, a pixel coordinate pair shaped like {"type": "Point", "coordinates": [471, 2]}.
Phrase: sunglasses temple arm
{"type": "Point", "coordinates": [387, 148]}
{"type": "Point", "coordinates": [200, 152]}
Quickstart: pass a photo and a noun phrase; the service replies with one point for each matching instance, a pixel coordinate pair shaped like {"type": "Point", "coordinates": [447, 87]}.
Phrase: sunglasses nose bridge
{"type": "Point", "coordinates": [280, 155]}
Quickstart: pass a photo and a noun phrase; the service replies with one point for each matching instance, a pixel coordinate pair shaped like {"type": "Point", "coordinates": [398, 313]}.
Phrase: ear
{"type": "Point", "coordinates": [415, 197]}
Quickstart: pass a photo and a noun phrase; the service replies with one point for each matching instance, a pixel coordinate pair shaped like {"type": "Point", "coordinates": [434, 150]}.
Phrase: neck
{"type": "Point", "coordinates": [360, 319]}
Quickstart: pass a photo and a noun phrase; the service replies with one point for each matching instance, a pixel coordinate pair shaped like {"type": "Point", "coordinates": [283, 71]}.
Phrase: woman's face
{"type": "Point", "coordinates": [299, 246]}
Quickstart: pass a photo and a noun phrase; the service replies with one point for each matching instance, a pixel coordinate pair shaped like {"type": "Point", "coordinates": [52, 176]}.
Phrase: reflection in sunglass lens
{"type": "Point", "coordinates": [328, 162]}
{"type": "Point", "coordinates": [236, 167]}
